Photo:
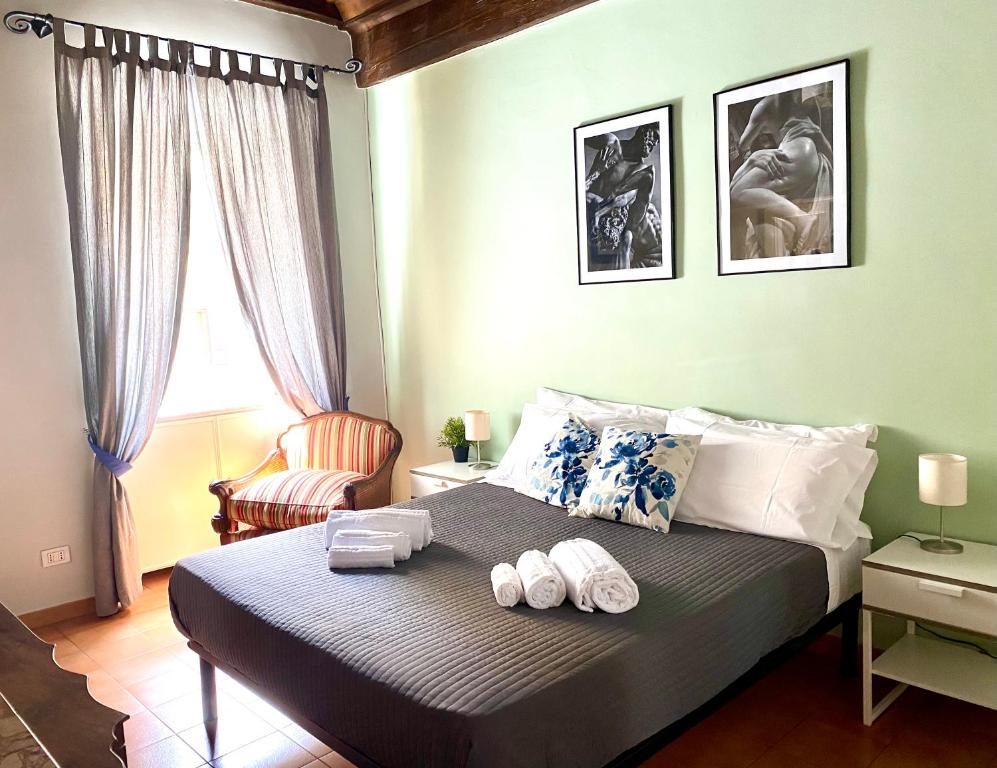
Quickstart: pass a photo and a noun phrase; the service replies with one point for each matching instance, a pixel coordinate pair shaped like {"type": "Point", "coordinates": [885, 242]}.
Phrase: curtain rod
{"type": "Point", "coordinates": [20, 22]}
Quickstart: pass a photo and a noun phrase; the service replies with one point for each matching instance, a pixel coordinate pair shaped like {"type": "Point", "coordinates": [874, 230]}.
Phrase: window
{"type": "Point", "coordinates": [217, 366]}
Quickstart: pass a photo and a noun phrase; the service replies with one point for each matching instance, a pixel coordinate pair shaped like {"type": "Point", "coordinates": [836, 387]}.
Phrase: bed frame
{"type": "Point", "coordinates": [846, 614]}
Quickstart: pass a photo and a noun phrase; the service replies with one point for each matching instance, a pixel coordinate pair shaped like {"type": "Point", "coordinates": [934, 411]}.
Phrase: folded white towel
{"type": "Point", "coordinates": [401, 543]}
{"type": "Point", "coordinates": [543, 586]}
{"type": "Point", "coordinates": [424, 513]}
{"type": "Point", "coordinates": [415, 522]}
{"type": "Point", "coordinates": [507, 585]}
{"type": "Point", "coordinates": [593, 577]}
{"type": "Point", "coordinates": [371, 556]}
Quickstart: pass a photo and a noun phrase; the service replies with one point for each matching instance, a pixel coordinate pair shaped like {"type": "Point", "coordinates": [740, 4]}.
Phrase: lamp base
{"type": "Point", "coordinates": [481, 465]}
{"type": "Point", "coordinates": [942, 546]}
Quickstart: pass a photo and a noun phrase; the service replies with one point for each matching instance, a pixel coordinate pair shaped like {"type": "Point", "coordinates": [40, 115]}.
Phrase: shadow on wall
{"type": "Point", "coordinates": [858, 77]}
{"type": "Point", "coordinates": [399, 191]}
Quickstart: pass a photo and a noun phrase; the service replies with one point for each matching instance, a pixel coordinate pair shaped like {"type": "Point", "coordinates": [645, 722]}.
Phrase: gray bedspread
{"type": "Point", "coordinates": [418, 666]}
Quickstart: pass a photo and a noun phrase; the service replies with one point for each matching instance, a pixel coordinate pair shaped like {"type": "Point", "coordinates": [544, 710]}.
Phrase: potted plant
{"type": "Point", "coordinates": [452, 437]}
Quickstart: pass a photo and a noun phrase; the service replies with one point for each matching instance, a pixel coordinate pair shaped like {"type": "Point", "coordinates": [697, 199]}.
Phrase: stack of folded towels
{"type": "Point", "coordinates": [578, 568]}
{"type": "Point", "coordinates": [376, 538]}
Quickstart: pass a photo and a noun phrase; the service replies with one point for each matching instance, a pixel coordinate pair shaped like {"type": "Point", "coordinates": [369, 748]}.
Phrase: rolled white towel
{"type": "Point", "coordinates": [543, 586]}
{"type": "Point", "coordinates": [415, 522]}
{"type": "Point", "coordinates": [507, 585]}
{"type": "Point", "coordinates": [593, 577]}
{"type": "Point", "coordinates": [401, 543]}
{"type": "Point", "coordinates": [370, 556]}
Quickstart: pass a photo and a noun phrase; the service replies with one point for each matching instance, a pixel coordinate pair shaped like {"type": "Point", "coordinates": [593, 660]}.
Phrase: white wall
{"type": "Point", "coordinates": [44, 460]}
{"type": "Point", "coordinates": [168, 487]}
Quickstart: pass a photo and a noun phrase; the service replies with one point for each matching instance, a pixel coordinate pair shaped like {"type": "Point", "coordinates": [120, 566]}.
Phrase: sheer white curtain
{"type": "Point", "coordinates": [124, 113]}
{"type": "Point", "coordinates": [266, 142]}
{"type": "Point", "coordinates": [124, 135]}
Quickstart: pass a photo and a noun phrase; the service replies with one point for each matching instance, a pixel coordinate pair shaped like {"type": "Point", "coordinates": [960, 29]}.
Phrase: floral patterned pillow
{"type": "Point", "coordinates": [637, 478]}
{"type": "Point", "coordinates": [557, 476]}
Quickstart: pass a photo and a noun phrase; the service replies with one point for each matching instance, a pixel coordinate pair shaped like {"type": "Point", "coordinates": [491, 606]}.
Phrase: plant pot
{"type": "Point", "coordinates": [460, 453]}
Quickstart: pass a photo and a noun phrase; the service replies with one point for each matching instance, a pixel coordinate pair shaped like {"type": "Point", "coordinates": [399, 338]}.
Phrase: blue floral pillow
{"type": "Point", "coordinates": [557, 476]}
{"type": "Point", "coordinates": [637, 478]}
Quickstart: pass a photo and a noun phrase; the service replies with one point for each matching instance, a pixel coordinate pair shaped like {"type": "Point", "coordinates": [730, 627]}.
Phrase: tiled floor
{"type": "Point", "coordinates": [18, 749]}
{"type": "Point", "coordinates": [805, 715]}
{"type": "Point", "coordinates": [802, 715]}
{"type": "Point", "coordinates": [138, 663]}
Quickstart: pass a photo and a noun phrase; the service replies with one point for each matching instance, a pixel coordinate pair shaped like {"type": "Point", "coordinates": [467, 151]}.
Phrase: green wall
{"type": "Point", "coordinates": [475, 223]}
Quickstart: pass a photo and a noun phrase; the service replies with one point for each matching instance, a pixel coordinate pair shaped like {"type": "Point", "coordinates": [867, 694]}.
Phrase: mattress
{"type": "Point", "coordinates": [844, 571]}
{"type": "Point", "coordinates": [418, 665]}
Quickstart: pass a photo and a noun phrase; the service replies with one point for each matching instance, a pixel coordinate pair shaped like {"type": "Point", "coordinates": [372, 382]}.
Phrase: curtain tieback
{"type": "Point", "coordinates": [114, 465]}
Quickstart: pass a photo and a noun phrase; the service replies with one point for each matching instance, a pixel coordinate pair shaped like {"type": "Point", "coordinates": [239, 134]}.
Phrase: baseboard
{"type": "Point", "coordinates": [77, 608]}
{"type": "Point", "coordinates": [73, 610]}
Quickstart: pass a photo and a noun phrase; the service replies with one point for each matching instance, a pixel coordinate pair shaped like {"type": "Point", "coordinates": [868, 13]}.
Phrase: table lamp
{"type": "Point", "coordinates": [478, 427]}
{"type": "Point", "coordinates": [941, 480]}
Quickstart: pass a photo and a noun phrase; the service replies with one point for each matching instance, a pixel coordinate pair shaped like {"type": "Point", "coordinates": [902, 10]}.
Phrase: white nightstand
{"type": "Point", "coordinates": [434, 478]}
{"type": "Point", "coordinates": [957, 592]}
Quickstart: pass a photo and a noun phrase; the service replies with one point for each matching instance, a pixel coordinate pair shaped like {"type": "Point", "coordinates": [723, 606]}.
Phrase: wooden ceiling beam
{"type": "Point", "coordinates": [317, 10]}
{"type": "Point", "coordinates": [431, 32]}
{"type": "Point", "coordinates": [392, 37]}
{"type": "Point", "coordinates": [379, 13]}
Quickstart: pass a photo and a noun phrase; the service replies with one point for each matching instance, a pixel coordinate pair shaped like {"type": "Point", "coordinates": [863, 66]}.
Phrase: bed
{"type": "Point", "coordinates": [418, 665]}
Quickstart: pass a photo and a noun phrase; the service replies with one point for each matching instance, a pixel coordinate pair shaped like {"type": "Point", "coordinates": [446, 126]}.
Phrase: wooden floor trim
{"type": "Point", "coordinates": [72, 610]}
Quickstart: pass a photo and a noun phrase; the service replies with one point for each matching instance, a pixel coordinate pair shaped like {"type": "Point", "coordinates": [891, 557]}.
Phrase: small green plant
{"type": "Point", "coordinates": [452, 434]}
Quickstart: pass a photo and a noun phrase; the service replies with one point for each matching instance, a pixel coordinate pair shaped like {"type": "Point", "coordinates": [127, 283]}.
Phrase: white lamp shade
{"type": "Point", "coordinates": [477, 425]}
{"type": "Point", "coordinates": [941, 479]}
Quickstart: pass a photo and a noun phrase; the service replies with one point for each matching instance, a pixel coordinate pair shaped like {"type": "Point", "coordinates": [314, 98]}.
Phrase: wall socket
{"type": "Point", "coordinates": [57, 556]}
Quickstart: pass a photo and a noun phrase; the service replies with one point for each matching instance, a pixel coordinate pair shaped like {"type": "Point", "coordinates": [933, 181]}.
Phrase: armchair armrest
{"type": "Point", "coordinates": [374, 490]}
{"type": "Point", "coordinates": [224, 489]}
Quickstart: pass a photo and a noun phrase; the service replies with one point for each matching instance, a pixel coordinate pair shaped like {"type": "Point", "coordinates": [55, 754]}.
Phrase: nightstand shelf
{"type": "Point", "coordinates": [957, 592]}
{"type": "Point", "coordinates": [945, 668]}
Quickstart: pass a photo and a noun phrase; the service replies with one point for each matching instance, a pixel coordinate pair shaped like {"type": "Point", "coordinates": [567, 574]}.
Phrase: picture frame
{"type": "Point", "coordinates": [783, 172]}
{"type": "Point", "coordinates": [625, 187]}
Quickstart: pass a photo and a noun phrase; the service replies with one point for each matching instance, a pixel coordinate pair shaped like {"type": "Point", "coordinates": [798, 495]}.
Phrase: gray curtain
{"type": "Point", "coordinates": [266, 142]}
{"type": "Point", "coordinates": [124, 135]}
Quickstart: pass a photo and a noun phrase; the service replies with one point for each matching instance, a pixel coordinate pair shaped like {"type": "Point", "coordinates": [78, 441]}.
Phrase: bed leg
{"type": "Point", "coordinates": [850, 637]}
{"type": "Point", "coordinates": [209, 694]}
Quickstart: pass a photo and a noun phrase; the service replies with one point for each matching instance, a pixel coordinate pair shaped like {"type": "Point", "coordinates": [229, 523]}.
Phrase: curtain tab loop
{"type": "Point", "coordinates": [215, 66]}
{"type": "Point", "coordinates": [135, 46]}
{"type": "Point", "coordinates": [116, 43]}
{"type": "Point", "coordinates": [112, 463]}
{"type": "Point", "coordinates": [89, 38]}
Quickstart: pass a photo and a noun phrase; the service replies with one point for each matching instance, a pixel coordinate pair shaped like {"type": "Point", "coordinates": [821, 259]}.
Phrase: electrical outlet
{"type": "Point", "coordinates": [57, 556]}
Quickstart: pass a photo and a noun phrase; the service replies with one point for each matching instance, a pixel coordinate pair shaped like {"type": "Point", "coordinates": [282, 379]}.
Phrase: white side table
{"type": "Point", "coordinates": [442, 476]}
{"type": "Point", "coordinates": [957, 592]}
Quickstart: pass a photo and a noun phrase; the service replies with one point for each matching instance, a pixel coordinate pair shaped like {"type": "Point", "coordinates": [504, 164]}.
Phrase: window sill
{"type": "Point", "coordinates": [208, 414]}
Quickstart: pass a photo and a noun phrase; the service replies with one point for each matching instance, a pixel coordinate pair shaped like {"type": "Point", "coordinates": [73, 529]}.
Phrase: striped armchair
{"type": "Point", "coordinates": [335, 460]}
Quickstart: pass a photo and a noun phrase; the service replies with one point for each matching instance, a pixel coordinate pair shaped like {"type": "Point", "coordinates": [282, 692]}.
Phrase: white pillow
{"type": "Point", "coordinates": [772, 484]}
{"type": "Point", "coordinates": [859, 434]}
{"type": "Point", "coordinates": [655, 419]}
{"type": "Point", "coordinates": [537, 425]}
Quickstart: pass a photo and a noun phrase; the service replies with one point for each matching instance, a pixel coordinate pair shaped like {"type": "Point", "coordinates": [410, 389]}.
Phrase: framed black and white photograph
{"type": "Point", "coordinates": [623, 178]}
{"type": "Point", "coordinates": [782, 172]}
